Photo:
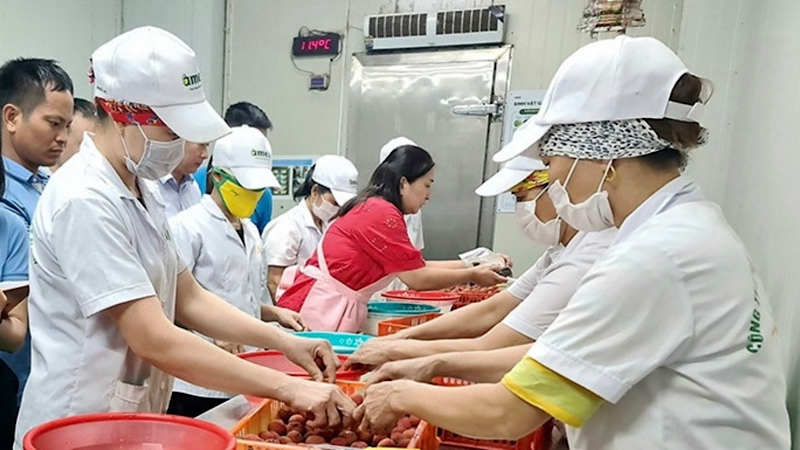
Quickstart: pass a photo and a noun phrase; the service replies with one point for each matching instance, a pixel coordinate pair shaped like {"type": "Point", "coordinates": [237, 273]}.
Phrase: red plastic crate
{"type": "Point", "coordinates": [392, 326]}
{"type": "Point", "coordinates": [258, 420]}
{"type": "Point", "coordinates": [456, 440]}
{"type": "Point", "coordinates": [467, 295]}
{"type": "Point", "coordinates": [467, 298]}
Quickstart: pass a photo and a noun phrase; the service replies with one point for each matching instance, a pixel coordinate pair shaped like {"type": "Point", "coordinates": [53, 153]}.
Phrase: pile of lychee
{"type": "Point", "coordinates": [290, 428]}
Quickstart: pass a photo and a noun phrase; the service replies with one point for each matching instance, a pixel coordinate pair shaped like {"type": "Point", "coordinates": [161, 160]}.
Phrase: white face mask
{"type": "Point", "coordinates": [594, 214]}
{"type": "Point", "coordinates": [159, 159]}
{"type": "Point", "coordinates": [544, 233]}
{"type": "Point", "coordinates": [325, 211]}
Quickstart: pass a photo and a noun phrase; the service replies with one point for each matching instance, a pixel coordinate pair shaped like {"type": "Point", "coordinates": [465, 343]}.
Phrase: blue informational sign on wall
{"type": "Point", "coordinates": [291, 172]}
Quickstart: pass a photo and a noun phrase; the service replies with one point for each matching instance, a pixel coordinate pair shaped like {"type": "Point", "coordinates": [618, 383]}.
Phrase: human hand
{"type": "Point", "coordinates": [327, 402]}
{"type": "Point", "coordinates": [314, 355]}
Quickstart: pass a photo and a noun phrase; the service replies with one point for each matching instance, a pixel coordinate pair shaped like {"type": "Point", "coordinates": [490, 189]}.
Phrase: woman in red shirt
{"type": "Point", "coordinates": [367, 246]}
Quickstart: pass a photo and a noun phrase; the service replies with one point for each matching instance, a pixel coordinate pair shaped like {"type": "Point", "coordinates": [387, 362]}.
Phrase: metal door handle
{"type": "Point", "coordinates": [478, 109]}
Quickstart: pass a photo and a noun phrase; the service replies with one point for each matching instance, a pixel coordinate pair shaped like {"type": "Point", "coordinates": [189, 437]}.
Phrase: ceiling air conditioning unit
{"type": "Point", "coordinates": [438, 29]}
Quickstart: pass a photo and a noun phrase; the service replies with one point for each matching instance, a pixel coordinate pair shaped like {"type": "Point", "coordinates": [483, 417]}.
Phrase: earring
{"type": "Point", "coordinates": [612, 173]}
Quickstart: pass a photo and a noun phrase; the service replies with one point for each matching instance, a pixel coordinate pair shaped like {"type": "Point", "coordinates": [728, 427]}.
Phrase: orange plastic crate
{"type": "Point", "coordinates": [456, 440]}
{"type": "Point", "coordinates": [392, 326]}
{"type": "Point", "coordinates": [257, 420]}
{"type": "Point", "coordinates": [471, 297]}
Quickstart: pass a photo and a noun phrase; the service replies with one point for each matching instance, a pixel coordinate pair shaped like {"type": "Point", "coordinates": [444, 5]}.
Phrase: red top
{"type": "Point", "coordinates": [367, 244]}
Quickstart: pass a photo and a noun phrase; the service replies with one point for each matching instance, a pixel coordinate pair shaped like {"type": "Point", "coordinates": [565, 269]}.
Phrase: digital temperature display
{"type": "Point", "coordinates": [319, 45]}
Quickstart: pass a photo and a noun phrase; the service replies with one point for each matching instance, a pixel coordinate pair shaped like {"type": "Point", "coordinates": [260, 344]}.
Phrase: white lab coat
{"type": "Point", "coordinates": [95, 246]}
{"type": "Point", "coordinates": [414, 227]}
{"type": "Point", "coordinates": [290, 239]}
{"type": "Point", "coordinates": [221, 264]}
{"type": "Point", "coordinates": [672, 329]}
{"type": "Point", "coordinates": [545, 288]}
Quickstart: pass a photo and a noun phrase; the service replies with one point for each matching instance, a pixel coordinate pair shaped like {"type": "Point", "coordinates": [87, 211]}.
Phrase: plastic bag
{"type": "Point", "coordinates": [482, 256]}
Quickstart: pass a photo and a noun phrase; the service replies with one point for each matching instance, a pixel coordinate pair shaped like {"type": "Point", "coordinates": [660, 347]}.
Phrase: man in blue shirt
{"type": "Point", "coordinates": [13, 321]}
{"type": "Point", "coordinates": [238, 114]}
{"type": "Point", "coordinates": [179, 190]}
{"type": "Point", "coordinates": [37, 105]}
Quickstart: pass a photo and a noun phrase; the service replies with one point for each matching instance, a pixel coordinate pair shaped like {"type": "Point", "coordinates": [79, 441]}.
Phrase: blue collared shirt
{"type": "Point", "coordinates": [23, 190]}
{"type": "Point", "coordinates": [178, 197]}
{"type": "Point", "coordinates": [13, 247]}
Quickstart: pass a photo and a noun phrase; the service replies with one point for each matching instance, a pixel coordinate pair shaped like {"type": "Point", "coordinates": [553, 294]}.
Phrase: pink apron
{"type": "Point", "coordinates": [331, 305]}
{"type": "Point", "coordinates": [287, 280]}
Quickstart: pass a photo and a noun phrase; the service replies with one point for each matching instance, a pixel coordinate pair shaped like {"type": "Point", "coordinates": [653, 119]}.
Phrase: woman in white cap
{"type": "Point", "coordinates": [222, 248]}
{"type": "Point", "coordinates": [668, 341]}
{"type": "Point", "coordinates": [368, 246]}
{"type": "Point", "coordinates": [290, 239]}
{"type": "Point", "coordinates": [512, 318]}
{"type": "Point", "coordinates": [107, 283]}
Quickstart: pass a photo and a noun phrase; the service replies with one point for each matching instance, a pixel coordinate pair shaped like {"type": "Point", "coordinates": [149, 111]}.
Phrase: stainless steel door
{"type": "Point", "coordinates": [413, 95]}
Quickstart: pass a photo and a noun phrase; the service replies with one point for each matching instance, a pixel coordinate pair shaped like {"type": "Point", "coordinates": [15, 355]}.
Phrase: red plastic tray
{"type": "Point", "coordinates": [429, 296]}
{"type": "Point", "coordinates": [276, 360]}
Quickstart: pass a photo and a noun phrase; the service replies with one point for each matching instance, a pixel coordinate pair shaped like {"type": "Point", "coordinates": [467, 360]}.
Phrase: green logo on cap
{"type": "Point", "coordinates": [260, 154]}
{"type": "Point", "coordinates": [192, 81]}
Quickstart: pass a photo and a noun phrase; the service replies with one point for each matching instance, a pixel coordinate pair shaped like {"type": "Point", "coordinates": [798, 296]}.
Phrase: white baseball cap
{"type": "Point", "coordinates": [511, 174]}
{"type": "Point", "coordinates": [393, 145]}
{"type": "Point", "coordinates": [152, 67]}
{"type": "Point", "coordinates": [247, 154]}
{"type": "Point", "coordinates": [339, 175]}
{"type": "Point", "coordinates": [613, 79]}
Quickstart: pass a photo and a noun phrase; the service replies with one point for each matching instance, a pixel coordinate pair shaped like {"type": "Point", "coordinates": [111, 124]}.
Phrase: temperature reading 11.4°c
{"type": "Point", "coordinates": [319, 45]}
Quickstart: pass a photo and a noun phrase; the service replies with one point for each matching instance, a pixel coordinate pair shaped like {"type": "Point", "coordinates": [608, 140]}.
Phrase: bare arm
{"type": "Point", "coordinates": [470, 321]}
{"type": "Point", "coordinates": [14, 327]}
{"type": "Point", "coordinates": [378, 352]}
{"type": "Point", "coordinates": [501, 414]}
{"type": "Point", "coordinates": [274, 274]}
{"type": "Point", "coordinates": [156, 340]}
{"type": "Point", "coordinates": [433, 278]}
{"type": "Point", "coordinates": [204, 312]}
{"type": "Point", "coordinates": [453, 265]}
{"type": "Point", "coordinates": [482, 366]}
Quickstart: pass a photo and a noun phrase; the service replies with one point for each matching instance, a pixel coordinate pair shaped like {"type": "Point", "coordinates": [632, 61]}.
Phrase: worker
{"type": "Point", "coordinates": [671, 328]}
{"type": "Point", "coordinates": [222, 248]}
{"type": "Point", "coordinates": [13, 319]}
{"type": "Point", "coordinates": [413, 221]}
{"type": "Point", "coordinates": [512, 318]}
{"type": "Point", "coordinates": [107, 282]}
{"type": "Point", "coordinates": [238, 114]}
{"type": "Point", "coordinates": [367, 246]}
{"type": "Point", "coordinates": [84, 118]}
{"type": "Point", "coordinates": [37, 107]}
{"type": "Point", "coordinates": [291, 239]}
{"type": "Point", "coordinates": [179, 190]}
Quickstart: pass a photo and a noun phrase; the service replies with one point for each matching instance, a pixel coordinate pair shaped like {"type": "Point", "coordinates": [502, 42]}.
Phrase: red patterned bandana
{"type": "Point", "coordinates": [129, 113]}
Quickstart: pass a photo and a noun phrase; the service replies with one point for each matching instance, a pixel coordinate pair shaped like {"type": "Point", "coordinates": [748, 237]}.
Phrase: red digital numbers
{"type": "Point", "coordinates": [317, 44]}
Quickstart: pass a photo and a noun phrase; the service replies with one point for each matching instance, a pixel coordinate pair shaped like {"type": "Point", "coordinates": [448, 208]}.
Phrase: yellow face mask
{"type": "Point", "coordinates": [240, 202]}
{"type": "Point", "coordinates": [536, 179]}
